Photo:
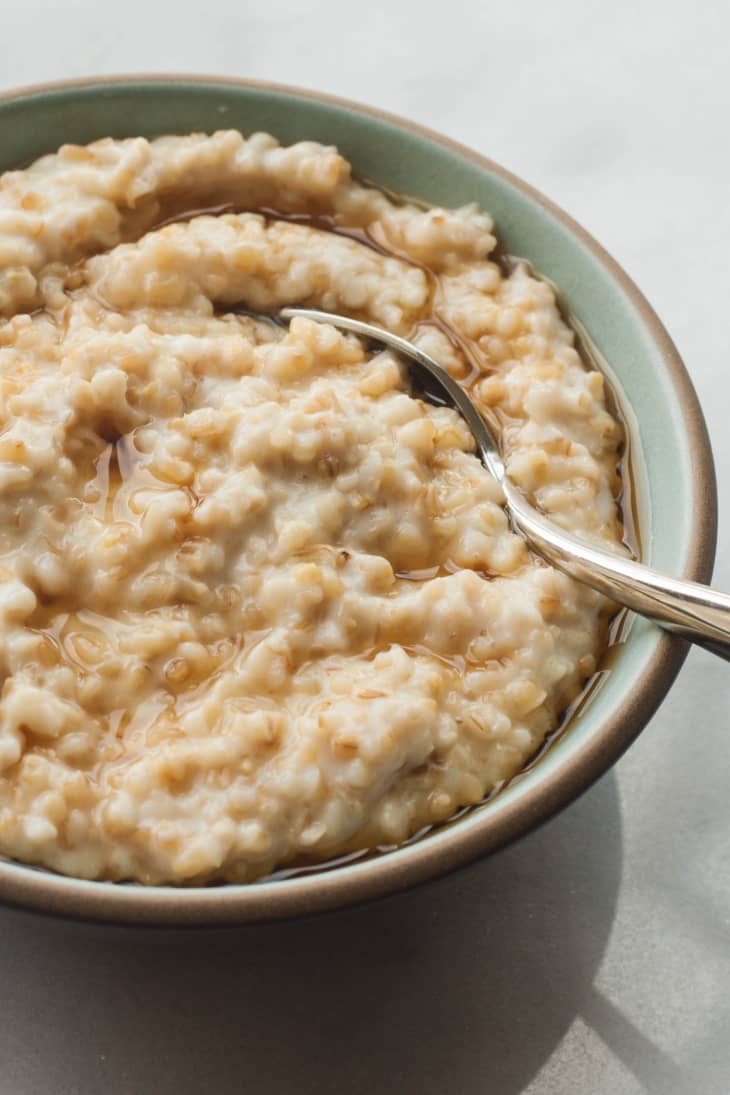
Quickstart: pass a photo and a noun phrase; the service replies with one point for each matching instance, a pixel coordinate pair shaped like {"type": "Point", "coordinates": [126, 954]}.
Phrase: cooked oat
{"type": "Point", "coordinates": [258, 602]}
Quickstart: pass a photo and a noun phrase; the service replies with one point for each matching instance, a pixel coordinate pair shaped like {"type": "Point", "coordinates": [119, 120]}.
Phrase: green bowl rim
{"type": "Point", "coordinates": [42, 891]}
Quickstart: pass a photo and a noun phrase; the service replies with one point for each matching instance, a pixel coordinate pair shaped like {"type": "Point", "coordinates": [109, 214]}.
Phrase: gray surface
{"type": "Point", "coordinates": [593, 957]}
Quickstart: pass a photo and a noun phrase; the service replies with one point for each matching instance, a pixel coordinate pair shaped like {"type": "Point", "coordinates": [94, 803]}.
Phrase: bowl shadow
{"type": "Point", "coordinates": [467, 984]}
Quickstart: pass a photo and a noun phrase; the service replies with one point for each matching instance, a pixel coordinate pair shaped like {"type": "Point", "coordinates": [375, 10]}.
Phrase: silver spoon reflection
{"type": "Point", "coordinates": [689, 609]}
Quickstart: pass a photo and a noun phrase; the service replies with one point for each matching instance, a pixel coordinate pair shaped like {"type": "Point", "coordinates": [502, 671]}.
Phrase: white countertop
{"type": "Point", "coordinates": [594, 957]}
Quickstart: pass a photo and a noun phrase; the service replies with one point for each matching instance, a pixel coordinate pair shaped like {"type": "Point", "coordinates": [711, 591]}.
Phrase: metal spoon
{"type": "Point", "coordinates": [689, 609]}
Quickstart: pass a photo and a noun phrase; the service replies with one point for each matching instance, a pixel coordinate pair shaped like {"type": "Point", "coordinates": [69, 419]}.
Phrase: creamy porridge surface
{"type": "Point", "coordinates": [260, 605]}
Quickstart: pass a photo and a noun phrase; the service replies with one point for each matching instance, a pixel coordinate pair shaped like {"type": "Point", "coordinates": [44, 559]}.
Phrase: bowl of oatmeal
{"type": "Point", "coordinates": [269, 644]}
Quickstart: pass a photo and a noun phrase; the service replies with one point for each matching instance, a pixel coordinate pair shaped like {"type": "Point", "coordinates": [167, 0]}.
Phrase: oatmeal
{"type": "Point", "coordinates": [260, 604]}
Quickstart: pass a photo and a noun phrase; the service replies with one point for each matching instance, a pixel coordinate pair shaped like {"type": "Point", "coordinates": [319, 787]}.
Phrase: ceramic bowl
{"type": "Point", "coordinates": [673, 459]}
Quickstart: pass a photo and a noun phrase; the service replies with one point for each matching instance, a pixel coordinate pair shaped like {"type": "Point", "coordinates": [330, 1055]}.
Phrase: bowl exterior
{"type": "Point", "coordinates": [678, 525]}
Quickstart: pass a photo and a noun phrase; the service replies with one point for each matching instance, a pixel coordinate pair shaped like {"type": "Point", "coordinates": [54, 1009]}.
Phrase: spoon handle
{"type": "Point", "coordinates": [690, 609]}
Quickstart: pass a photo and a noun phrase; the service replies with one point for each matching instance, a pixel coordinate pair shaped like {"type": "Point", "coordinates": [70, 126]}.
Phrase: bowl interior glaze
{"type": "Point", "coordinates": [674, 461]}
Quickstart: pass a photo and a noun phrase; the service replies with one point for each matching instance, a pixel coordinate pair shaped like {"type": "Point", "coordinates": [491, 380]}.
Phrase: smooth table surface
{"type": "Point", "coordinates": [594, 957]}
